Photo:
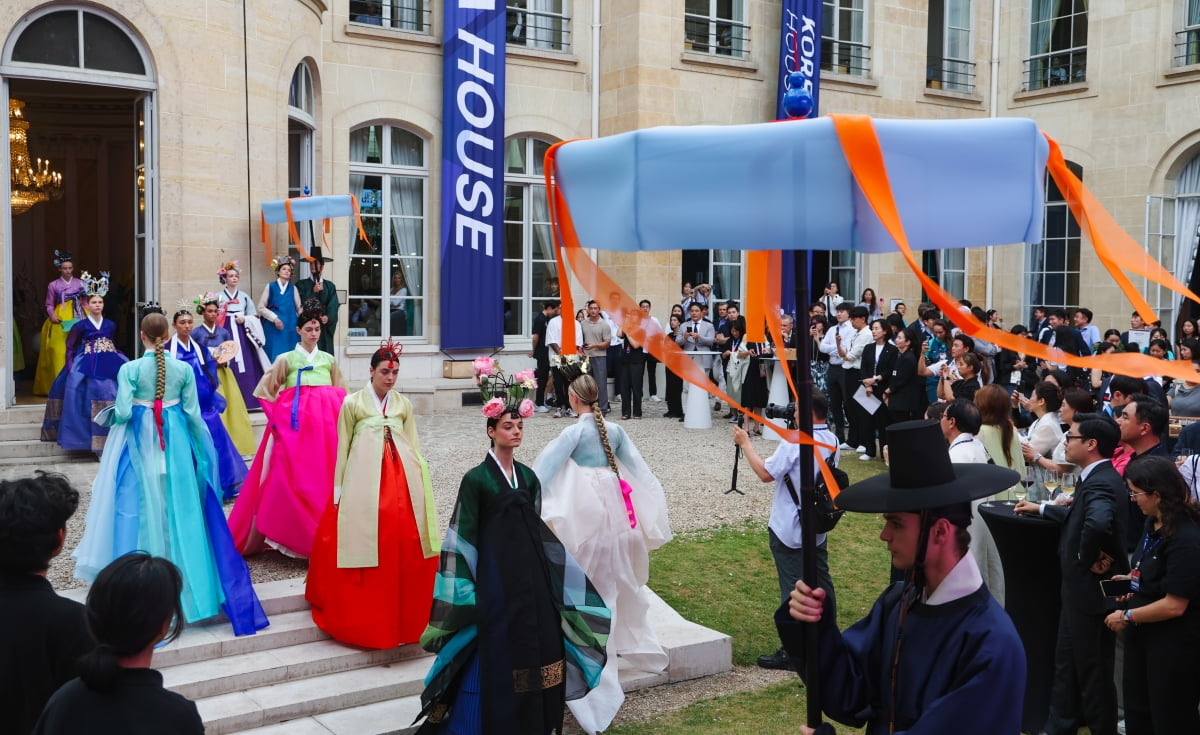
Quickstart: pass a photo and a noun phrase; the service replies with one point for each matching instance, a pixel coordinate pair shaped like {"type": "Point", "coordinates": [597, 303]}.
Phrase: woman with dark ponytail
{"type": "Point", "coordinates": [609, 511]}
{"type": "Point", "coordinates": [291, 479]}
{"type": "Point", "coordinates": [133, 605]}
{"type": "Point", "coordinates": [158, 488]}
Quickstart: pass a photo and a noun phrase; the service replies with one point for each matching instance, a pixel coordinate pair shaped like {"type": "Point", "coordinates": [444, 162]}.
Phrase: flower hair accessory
{"type": "Point", "coordinates": [390, 351]}
{"type": "Point", "coordinates": [226, 267]}
{"type": "Point", "coordinates": [93, 286]}
{"type": "Point", "coordinates": [502, 393]}
{"type": "Point", "coordinates": [204, 300]}
{"type": "Point", "coordinates": [62, 256]}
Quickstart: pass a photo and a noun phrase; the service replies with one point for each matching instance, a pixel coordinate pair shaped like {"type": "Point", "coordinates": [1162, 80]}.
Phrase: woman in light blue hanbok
{"type": "Point", "coordinates": [157, 489]}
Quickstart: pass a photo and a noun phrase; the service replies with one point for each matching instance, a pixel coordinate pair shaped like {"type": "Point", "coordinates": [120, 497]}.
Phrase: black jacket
{"type": "Point", "coordinates": [1095, 522]}
{"type": "Point", "coordinates": [881, 365]}
{"type": "Point", "coordinates": [907, 388]}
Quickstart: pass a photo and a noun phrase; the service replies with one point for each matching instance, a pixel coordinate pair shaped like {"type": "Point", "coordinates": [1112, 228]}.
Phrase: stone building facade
{"type": "Point", "coordinates": [173, 120]}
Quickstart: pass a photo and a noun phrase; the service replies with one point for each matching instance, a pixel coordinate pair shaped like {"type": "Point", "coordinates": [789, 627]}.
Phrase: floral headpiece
{"type": "Point", "coordinates": [281, 261]}
{"type": "Point", "coordinates": [94, 286]}
{"type": "Point", "coordinates": [389, 350]}
{"type": "Point", "coordinates": [225, 268]}
{"type": "Point", "coordinates": [502, 393]}
{"type": "Point", "coordinates": [151, 307]}
{"type": "Point", "coordinates": [62, 256]}
{"type": "Point", "coordinates": [569, 367]}
{"type": "Point", "coordinates": [204, 300]}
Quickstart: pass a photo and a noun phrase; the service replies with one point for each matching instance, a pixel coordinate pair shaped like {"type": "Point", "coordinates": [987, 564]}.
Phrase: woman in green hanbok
{"type": "Point", "coordinates": [517, 628]}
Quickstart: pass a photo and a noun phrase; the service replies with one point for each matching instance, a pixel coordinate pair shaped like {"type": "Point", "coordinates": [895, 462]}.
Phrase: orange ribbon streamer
{"type": "Point", "coordinates": [865, 157]}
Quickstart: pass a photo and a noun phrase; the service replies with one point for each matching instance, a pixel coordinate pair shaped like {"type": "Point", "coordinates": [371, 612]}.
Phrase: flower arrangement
{"type": "Point", "coordinates": [230, 266]}
{"type": "Point", "coordinates": [502, 393]}
{"type": "Point", "coordinates": [203, 300]}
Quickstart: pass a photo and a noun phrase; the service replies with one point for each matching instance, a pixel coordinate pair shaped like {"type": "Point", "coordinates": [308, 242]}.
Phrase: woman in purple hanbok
{"type": "Point", "coordinates": [87, 383]}
{"type": "Point", "coordinates": [63, 309]}
{"type": "Point", "coordinates": [239, 315]}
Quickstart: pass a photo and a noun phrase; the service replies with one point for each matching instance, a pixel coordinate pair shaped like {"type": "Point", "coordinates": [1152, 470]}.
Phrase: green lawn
{"type": "Point", "coordinates": [724, 579]}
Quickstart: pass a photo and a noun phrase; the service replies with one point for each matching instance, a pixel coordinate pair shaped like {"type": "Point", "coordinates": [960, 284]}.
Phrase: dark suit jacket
{"type": "Point", "coordinates": [881, 365]}
{"type": "Point", "coordinates": [1095, 522]}
{"type": "Point", "coordinates": [908, 388]}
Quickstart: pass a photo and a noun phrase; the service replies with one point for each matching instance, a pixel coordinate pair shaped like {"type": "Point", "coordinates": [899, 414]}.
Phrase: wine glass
{"type": "Point", "coordinates": [1068, 484]}
{"type": "Point", "coordinates": [1051, 479]}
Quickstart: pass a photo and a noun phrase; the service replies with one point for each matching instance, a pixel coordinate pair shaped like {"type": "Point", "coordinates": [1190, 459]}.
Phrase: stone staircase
{"type": "Point", "coordinates": [20, 439]}
{"type": "Point", "coordinates": [292, 679]}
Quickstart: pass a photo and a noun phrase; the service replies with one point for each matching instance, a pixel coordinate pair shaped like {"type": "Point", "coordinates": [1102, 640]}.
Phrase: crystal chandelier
{"type": "Point", "coordinates": [31, 183]}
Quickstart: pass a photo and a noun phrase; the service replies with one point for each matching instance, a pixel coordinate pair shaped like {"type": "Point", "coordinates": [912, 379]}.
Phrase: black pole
{"type": "Point", "coordinates": [802, 375]}
{"type": "Point", "coordinates": [737, 453]}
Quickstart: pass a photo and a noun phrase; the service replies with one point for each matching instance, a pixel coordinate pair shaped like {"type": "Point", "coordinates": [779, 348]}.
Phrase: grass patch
{"type": "Point", "coordinates": [724, 578]}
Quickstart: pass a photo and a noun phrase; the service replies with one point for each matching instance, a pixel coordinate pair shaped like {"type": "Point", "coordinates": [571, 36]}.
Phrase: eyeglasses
{"type": "Point", "coordinates": [1080, 437]}
{"type": "Point", "coordinates": [1134, 496]}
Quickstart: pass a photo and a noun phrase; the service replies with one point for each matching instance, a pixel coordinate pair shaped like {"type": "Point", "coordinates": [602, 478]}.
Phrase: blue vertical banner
{"type": "Point", "coordinates": [472, 297]}
{"type": "Point", "coordinates": [799, 51]}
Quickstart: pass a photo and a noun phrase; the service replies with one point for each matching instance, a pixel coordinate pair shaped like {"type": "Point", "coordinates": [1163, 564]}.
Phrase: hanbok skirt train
{"type": "Point", "coordinates": [75, 400]}
{"type": "Point", "coordinates": [234, 417]}
{"type": "Point", "coordinates": [155, 500]}
{"type": "Point", "coordinates": [52, 355]}
{"type": "Point", "coordinates": [291, 480]}
{"type": "Point", "coordinates": [382, 606]}
{"type": "Point", "coordinates": [229, 460]}
{"type": "Point", "coordinates": [247, 374]}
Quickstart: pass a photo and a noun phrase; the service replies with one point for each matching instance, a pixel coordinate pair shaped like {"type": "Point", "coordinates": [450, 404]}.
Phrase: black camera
{"type": "Point", "coordinates": [786, 413]}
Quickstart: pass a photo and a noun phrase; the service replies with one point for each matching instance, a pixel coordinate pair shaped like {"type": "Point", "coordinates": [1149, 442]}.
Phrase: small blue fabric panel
{"type": "Point", "coordinates": [306, 208]}
{"type": "Point", "coordinates": [787, 186]}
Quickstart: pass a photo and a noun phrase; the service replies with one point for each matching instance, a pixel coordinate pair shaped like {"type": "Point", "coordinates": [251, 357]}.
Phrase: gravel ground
{"type": "Point", "coordinates": [694, 466]}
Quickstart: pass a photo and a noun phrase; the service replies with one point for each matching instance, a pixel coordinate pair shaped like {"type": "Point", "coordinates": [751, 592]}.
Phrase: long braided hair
{"type": "Point", "coordinates": [585, 389]}
{"type": "Point", "coordinates": [154, 326]}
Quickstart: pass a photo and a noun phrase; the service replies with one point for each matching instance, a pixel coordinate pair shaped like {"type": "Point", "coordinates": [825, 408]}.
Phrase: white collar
{"type": "Point", "coordinates": [962, 580]}
{"type": "Point", "coordinates": [512, 481]}
{"type": "Point", "coordinates": [309, 355]}
{"type": "Point", "coordinates": [282, 284]}
{"type": "Point", "coordinates": [962, 438]}
{"type": "Point", "coordinates": [177, 346]}
{"type": "Point", "coordinates": [380, 403]}
{"type": "Point", "coordinates": [210, 330]}
{"type": "Point", "coordinates": [96, 322]}
{"type": "Point", "coordinates": [67, 281]}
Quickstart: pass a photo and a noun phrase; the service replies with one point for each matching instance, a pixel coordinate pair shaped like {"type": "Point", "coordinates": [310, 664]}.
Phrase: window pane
{"type": "Point", "coordinates": [514, 155]}
{"type": "Point", "coordinates": [543, 287]}
{"type": "Point", "coordinates": [407, 148]}
{"type": "Point", "coordinates": [727, 282]}
{"type": "Point", "coordinates": [514, 244]}
{"type": "Point", "coordinates": [543, 244]}
{"type": "Point", "coordinates": [51, 39]}
{"type": "Point", "coordinates": [407, 237]}
{"type": "Point", "coordinates": [954, 259]}
{"type": "Point", "coordinates": [364, 316]}
{"type": "Point", "coordinates": [512, 317]}
{"type": "Point", "coordinates": [1056, 256]}
{"type": "Point", "coordinates": [108, 48]}
{"type": "Point", "coordinates": [513, 278]}
{"type": "Point", "coordinates": [365, 144]}
{"type": "Point", "coordinates": [539, 156]}
{"type": "Point", "coordinates": [514, 203]}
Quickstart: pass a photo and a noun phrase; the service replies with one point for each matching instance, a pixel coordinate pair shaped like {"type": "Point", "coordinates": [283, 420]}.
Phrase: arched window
{"type": "Point", "coordinates": [85, 41]}
{"type": "Point", "coordinates": [530, 274]}
{"type": "Point", "coordinates": [389, 175]}
{"type": "Point", "coordinates": [301, 147]}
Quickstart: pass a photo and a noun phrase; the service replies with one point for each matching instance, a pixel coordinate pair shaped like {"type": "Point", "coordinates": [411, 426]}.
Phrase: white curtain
{"type": "Point", "coordinates": [407, 218]}
{"type": "Point", "coordinates": [1187, 218]}
{"type": "Point", "coordinates": [543, 26]}
{"type": "Point", "coordinates": [406, 15]}
{"type": "Point", "coordinates": [1193, 12]}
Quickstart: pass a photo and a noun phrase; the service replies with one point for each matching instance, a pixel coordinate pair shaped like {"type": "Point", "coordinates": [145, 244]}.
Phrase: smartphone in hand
{"type": "Point", "coordinates": [1115, 587]}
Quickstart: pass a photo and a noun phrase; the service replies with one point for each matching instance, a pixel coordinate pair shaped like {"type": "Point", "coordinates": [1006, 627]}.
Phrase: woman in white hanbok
{"type": "Point", "coordinates": [609, 511]}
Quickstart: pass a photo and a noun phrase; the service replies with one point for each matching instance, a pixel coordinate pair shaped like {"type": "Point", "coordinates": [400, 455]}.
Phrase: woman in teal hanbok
{"type": "Point", "coordinates": [517, 627]}
{"type": "Point", "coordinates": [157, 488]}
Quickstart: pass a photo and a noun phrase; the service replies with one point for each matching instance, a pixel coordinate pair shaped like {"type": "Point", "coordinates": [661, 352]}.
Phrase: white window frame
{"type": "Point", "coordinates": [301, 134]}
{"type": "Point", "coordinates": [738, 264]}
{"type": "Point", "coordinates": [1187, 39]}
{"type": "Point", "coordinates": [711, 32]}
{"type": "Point", "coordinates": [1071, 240]}
{"type": "Point", "coordinates": [529, 180]}
{"type": "Point", "coordinates": [952, 275]}
{"type": "Point", "coordinates": [1162, 216]}
{"type": "Point", "coordinates": [841, 41]}
{"type": "Point", "coordinates": [1040, 69]}
{"type": "Point", "coordinates": [946, 69]}
{"type": "Point", "coordinates": [412, 16]}
{"type": "Point", "coordinates": [531, 24]}
{"type": "Point", "coordinates": [384, 252]}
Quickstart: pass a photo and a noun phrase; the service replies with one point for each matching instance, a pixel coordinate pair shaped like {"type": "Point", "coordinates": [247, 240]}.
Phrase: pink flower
{"type": "Point", "coordinates": [523, 375]}
{"type": "Point", "coordinates": [493, 408]}
{"type": "Point", "coordinates": [525, 409]}
{"type": "Point", "coordinates": [484, 366]}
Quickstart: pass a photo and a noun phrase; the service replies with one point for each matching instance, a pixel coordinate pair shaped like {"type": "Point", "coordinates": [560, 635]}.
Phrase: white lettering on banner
{"type": "Point", "coordinates": [475, 196]}
{"type": "Point", "coordinates": [806, 38]}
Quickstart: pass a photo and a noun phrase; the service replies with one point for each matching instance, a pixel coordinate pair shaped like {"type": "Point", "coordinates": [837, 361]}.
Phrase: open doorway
{"type": "Point", "coordinates": [94, 136]}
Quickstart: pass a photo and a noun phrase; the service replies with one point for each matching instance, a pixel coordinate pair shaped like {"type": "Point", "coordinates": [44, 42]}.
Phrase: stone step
{"type": "Point", "coordinates": [21, 431]}
{"type": "Point", "coordinates": [23, 414]}
{"type": "Point", "coordinates": [244, 671]}
{"type": "Point", "coordinates": [317, 695]}
{"type": "Point", "coordinates": [391, 717]}
{"type": "Point", "coordinates": [35, 449]}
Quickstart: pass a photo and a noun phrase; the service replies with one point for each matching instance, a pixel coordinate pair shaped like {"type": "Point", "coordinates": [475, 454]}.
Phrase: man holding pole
{"type": "Point", "coordinates": [936, 653]}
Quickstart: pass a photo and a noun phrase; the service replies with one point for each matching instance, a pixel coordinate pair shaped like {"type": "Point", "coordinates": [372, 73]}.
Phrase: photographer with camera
{"type": "Point", "coordinates": [783, 528]}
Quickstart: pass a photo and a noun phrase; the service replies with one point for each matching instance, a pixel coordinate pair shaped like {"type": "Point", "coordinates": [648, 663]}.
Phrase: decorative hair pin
{"type": "Point", "coordinates": [569, 367]}
{"type": "Point", "coordinates": [225, 268]}
{"type": "Point", "coordinates": [203, 300]}
{"type": "Point", "coordinates": [151, 307]}
{"type": "Point", "coordinates": [312, 309]}
{"type": "Point", "coordinates": [62, 256]}
{"type": "Point", "coordinates": [93, 286]}
{"type": "Point", "coordinates": [281, 261]}
{"type": "Point", "coordinates": [389, 350]}
{"type": "Point", "coordinates": [502, 393]}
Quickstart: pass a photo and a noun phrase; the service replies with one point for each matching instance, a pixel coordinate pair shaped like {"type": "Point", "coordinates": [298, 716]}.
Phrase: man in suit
{"type": "Point", "coordinates": [1091, 548]}
{"type": "Point", "coordinates": [835, 379]}
{"type": "Point", "coordinates": [42, 635]}
{"type": "Point", "coordinates": [696, 334]}
{"type": "Point", "coordinates": [323, 290]}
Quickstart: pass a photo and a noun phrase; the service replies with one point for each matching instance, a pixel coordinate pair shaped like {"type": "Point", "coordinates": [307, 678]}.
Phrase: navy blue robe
{"type": "Point", "coordinates": [962, 666]}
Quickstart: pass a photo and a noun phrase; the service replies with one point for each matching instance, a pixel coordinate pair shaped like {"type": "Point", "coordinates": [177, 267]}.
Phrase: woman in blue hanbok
{"type": "Point", "coordinates": [85, 386]}
{"type": "Point", "coordinates": [229, 460]}
{"type": "Point", "coordinates": [156, 489]}
{"type": "Point", "coordinates": [278, 308]}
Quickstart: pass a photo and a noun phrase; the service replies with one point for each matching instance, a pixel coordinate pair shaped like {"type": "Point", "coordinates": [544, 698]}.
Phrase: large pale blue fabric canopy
{"type": "Point", "coordinates": [787, 186]}
{"type": "Point", "coordinates": [307, 208]}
